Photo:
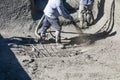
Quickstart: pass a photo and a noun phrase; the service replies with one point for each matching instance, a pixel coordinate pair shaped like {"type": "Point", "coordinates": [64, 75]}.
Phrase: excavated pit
{"type": "Point", "coordinates": [93, 55]}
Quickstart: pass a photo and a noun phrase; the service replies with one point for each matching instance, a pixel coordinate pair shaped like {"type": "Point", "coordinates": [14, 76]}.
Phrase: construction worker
{"type": "Point", "coordinates": [52, 11]}
{"type": "Point", "coordinates": [85, 13]}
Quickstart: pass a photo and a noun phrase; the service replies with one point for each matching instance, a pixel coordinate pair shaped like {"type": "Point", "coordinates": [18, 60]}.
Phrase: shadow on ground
{"type": "Point", "coordinates": [10, 68]}
{"type": "Point", "coordinates": [20, 41]}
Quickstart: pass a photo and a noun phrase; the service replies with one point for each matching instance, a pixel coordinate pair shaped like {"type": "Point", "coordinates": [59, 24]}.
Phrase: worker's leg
{"type": "Point", "coordinates": [90, 17]}
{"type": "Point", "coordinates": [44, 27]}
{"type": "Point", "coordinates": [81, 14]}
{"type": "Point", "coordinates": [56, 25]}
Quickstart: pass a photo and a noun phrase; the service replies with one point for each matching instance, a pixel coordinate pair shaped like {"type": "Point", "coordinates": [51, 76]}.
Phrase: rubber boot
{"type": "Point", "coordinates": [89, 18]}
{"type": "Point", "coordinates": [81, 19]}
{"type": "Point", "coordinates": [84, 26]}
{"type": "Point", "coordinates": [57, 37]}
{"type": "Point", "coordinates": [42, 38]}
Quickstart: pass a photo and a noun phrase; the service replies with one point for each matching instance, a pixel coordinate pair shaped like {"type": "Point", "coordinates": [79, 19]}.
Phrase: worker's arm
{"type": "Point", "coordinates": [61, 9]}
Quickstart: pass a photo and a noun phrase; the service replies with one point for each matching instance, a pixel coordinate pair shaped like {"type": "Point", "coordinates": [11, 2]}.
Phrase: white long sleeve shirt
{"type": "Point", "coordinates": [55, 8]}
{"type": "Point", "coordinates": [86, 2]}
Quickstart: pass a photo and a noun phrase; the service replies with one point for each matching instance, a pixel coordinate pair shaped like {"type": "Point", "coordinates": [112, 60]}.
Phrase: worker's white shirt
{"type": "Point", "coordinates": [86, 2]}
{"type": "Point", "coordinates": [54, 9]}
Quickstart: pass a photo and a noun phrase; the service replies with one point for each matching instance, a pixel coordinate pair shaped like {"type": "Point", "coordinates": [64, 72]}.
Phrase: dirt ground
{"type": "Point", "coordinates": [93, 55]}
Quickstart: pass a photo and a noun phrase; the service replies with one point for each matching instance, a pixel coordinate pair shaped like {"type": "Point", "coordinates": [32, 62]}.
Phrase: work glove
{"type": "Point", "coordinates": [70, 18]}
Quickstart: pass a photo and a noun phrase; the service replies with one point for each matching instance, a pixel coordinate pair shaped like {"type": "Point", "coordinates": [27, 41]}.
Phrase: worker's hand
{"type": "Point", "coordinates": [71, 18]}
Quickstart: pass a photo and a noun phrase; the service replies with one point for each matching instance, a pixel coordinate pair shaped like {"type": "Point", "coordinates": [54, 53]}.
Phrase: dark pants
{"type": "Point", "coordinates": [51, 22]}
